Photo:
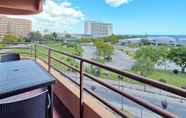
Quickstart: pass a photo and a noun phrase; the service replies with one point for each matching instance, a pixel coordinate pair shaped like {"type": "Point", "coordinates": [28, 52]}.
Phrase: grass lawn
{"type": "Point", "coordinates": [60, 47]}
{"type": "Point", "coordinates": [70, 49]}
{"type": "Point", "coordinates": [178, 80]}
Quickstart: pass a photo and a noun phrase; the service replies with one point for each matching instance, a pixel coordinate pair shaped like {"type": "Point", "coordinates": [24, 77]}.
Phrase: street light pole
{"type": "Point", "coordinates": [121, 88]}
{"type": "Point", "coordinates": [141, 113]}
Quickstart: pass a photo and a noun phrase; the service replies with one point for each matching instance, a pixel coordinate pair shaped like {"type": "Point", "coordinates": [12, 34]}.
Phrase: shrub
{"type": "Point", "coordinates": [2, 45]}
{"type": "Point", "coordinates": [163, 81]}
{"type": "Point", "coordinates": [183, 87]}
{"type": "Point", "coordinates": [175, 71]}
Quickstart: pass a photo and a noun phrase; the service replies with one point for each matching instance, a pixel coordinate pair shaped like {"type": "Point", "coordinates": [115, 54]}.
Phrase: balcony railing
{"type": "Point", "coordinates": [50, 59]}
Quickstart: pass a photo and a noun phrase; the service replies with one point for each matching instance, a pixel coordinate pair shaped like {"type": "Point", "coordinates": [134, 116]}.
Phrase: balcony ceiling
{"type": "Point", "coordinates": [20, 7]}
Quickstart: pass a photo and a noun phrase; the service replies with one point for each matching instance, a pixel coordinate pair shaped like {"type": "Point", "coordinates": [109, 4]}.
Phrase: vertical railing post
{"type": "Point", "coordinates": [31, 50]}
{"type": "Point", "coordinates": [81, 89]}
{"type": "Point", "coordinates": [49, 59]}
{"type": "Point", "coordinates": [50, 109]}
{"type": "Point", "coordinates": [35, 55]}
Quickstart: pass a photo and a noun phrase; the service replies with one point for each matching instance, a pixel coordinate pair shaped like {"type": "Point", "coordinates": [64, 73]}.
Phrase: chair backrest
{"type": "Point", "coordinates": [10, 57]}
{"type": "Point", "coordinates": [34, 107]}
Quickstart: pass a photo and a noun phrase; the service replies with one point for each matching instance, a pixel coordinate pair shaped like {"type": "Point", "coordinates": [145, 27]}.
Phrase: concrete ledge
{"type": "Point", "coordinates": [68, 93]}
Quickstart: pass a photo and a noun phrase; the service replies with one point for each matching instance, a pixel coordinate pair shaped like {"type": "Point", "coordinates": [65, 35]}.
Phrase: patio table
{"type": "Point", "coordinates": [25, 75]}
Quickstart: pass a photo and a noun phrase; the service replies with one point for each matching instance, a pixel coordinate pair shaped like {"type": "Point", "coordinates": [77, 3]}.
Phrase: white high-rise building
{"type": "Point", "coordinates": [98, 29]}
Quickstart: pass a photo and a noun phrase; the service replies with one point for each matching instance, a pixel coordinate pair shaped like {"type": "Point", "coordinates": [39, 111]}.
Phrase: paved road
{"type": "Point", "coordinates": [120, 59]}
{"type": "Point", "coordinates": [88, 51]}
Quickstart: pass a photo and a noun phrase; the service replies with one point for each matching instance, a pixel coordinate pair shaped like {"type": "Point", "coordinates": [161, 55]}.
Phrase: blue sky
{"type": "Point", "coordinates": [127, 16]}
{"type": "Point", "coordinates": [139, 16]}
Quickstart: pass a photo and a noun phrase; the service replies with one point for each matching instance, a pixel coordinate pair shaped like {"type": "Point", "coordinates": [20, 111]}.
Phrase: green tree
{"type": "Point", "coordinates": [163, 52]}
{"type": "Point", "coordinates": [113, 39]}
{"type": "Point", "coordinates": [146, 58]}
{"type": "Point", "coordinates": [107, 50]}
{"type": "Point", "coordinates": [104, 49]}
{"type": "Point", "coordinates": [54, 35]}
{"type": "Point", "coordinates": [75, 49]}
{"type": "Point", "coordinates": [87, 40]}
{"type": "Point", "coordinates": [145, 41]}
{"type": "Point", "coordinates": [143, 67]}
{"type": "Point", "coordinates": [178, 56]}
{"type": "Point", "coordinates": [99, 45]}
{"type": "Point", "coordinates": [35, 36]}
{"type": "Point", "coordinates": [130, 36]}
{"type": "Point", "coordinates": [11, 38]}
{"type": "Point", "coordinates": [26, 39]}
{"type": "Point", "coordinates": [47, 37]}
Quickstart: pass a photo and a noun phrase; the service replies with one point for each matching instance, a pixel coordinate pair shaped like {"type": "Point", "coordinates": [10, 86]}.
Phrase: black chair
{"type": "Point", "coordinates": [33, 107]}
{"type": "Point", "coordinates": [10, 57]}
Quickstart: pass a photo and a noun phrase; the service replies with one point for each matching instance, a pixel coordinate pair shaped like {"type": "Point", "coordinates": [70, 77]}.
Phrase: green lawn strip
{"type": "Point", "coordinates": [105, 74]}
{"type": "Point", "coordinates": [57, 55]}
{"type": "Point", "coordinates": [22, 52]}
{"type": "Point", "coordinates": [178, 80]}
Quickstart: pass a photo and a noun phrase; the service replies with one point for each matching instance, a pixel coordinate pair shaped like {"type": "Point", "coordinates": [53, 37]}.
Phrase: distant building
{"type": "Point", "coordinates": [73, 37]}
{"type": "Point", "coordinates": [130, 41]}
{"type": "Point", "coordinates": [79, 36]}
{"type": "Point", "coordinates": [168, 40]}
{"type": "Point", "coordinates": [181, 41]}
{"type": "Point", "coordinates": [162, 40]}
{"type": "Point", "coordinates": [98, 29]}
{"type": "Point", "coordinates": [18, 27]}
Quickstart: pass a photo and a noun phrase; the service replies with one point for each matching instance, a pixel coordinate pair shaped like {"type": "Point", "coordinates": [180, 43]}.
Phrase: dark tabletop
{"type": "Point", "coordinates": [21, 76]}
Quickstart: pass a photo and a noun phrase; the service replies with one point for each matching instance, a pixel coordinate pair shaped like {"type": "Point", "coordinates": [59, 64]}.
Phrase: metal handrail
{"type": "Point", "coordinates": [139, 101]}
{"type": "Point", "coordinates": [21, 48]}
{"type": "Point", "coordinates": [144, 103]}
{"type": "Point", "coordinates": [150, 82]}
{"type": "Point", "coordinates": [145, 80]}
{"type": "Point", "coordinates": [71, 67]}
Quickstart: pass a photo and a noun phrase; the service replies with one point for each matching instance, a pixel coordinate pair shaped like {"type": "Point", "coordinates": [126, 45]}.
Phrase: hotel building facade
{"type": "Point", "coordinates": [97, 29]}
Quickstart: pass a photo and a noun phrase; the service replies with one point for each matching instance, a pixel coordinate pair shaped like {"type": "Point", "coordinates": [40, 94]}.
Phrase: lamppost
{"type": "Point", "coordinates": [164, 104]}
{"type": "Point", "coordinates": [121, 88]}
{"type": "Point", "coordinates": [93, 88]}
{"type": "Point", "coordinates": [141, 112]}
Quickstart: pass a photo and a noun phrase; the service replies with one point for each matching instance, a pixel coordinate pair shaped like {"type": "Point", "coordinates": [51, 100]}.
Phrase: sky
{"type": "Point", "coordinates": [157, 17]}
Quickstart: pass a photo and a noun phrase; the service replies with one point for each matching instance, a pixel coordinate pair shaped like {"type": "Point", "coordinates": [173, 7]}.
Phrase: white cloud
{"type": "Point", "coordinates": [55, 17]}
{"type": "Point", "coordinates": [117, 3]}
